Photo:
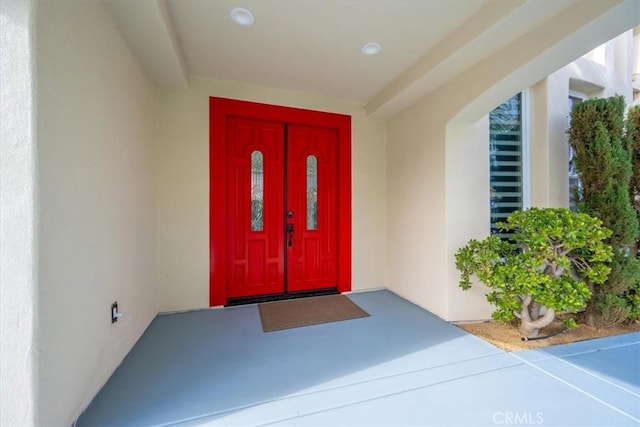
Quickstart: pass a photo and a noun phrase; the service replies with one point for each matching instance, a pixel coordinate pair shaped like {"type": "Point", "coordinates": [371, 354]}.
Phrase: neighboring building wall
{"type": "Point", "coordinates": [96, 118]}
{"type": "Point", "coordinates": [636, 66]}
{"type": "Point", "coordinates": [603, 72]}
{"type": "Point", "coordinates": [182, 166]}
{"type": "Point", "coordinates": [18, 209]}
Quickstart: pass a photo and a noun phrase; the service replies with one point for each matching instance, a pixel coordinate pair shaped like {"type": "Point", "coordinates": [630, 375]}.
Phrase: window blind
{"type": "Point", "coordinates": [505, 156]}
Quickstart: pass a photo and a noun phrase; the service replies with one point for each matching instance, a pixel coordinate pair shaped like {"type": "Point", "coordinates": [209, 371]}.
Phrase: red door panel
{"type": "Point", "coordinates": [255, 202]}
{"type": "Point", "coordinates": [312, 208]}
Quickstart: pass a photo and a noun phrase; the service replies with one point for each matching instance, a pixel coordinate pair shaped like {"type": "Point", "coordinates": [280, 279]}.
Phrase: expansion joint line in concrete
{"type": "Point", "coordinates": [586, 393]}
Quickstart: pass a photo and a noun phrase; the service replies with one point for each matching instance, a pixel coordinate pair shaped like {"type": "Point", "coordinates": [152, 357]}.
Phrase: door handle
{"type": "Point", "coordinates": [290, 235]}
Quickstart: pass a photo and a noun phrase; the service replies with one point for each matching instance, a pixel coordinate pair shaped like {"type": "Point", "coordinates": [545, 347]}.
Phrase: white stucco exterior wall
{"type": "Point", "coordinates": [416, 207]}
{"type": "Point", "coordinates": [18, 258]}
{"type": "Point", "coordinates": [636, 63]}
{"type": "Point", "coordinates": [636, 50]}
{"type": "Point", "coordinates": [96, 231]}
{"type": "Point", "coordinates": [182, 170]}
{"type": "Point", "coordinates": [467, 184]}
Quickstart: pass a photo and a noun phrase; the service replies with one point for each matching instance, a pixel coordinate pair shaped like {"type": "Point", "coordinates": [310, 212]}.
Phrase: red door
{"type": "Point", "coordinates": [282, 219]}
{"type": "Point", "coordinates": [311, 208]}
{"type": "Point", "coordinates": [256, 199]}
{"type": "Point", "coordinates": [278, 223]}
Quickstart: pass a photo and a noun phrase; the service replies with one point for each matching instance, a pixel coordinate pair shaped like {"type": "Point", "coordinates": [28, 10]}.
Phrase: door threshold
{"type": "Point", "coordinates": [231, 302]}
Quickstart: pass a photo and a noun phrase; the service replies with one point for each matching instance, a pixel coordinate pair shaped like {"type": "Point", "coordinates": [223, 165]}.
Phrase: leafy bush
{"type": "Point", "coordinates": [542, 269]}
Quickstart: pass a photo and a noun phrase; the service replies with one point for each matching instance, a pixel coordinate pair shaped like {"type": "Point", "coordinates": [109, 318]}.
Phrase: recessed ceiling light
{"type": "Point", "coordinates": [371, 48]}
{"type": "Point", "coordinates": [242, 16]}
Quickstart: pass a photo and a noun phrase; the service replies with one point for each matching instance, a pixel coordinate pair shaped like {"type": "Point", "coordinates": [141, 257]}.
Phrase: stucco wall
{"type": "Point", "coordinates": [17, 215]}
{"type": "Point", "coordinates": [416, 207]}
{"type": "Point", "coordinates": [96, 241]}
{"type": "Point", "coordinates": [636, 63]}
{"type": "Point", "coordinates": [468, 189]}
{"type": "Point", "coordinates": [182, 166]}
{"type": "Point", "coordinates": [636, 52]}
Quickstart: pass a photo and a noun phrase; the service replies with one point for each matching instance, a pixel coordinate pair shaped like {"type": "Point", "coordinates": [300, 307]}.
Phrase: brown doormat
{"type": "Point", "coordinates": [308, 311]}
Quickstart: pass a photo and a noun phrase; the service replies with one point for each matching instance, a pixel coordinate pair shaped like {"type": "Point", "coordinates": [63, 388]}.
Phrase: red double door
{"type": "Point", "coordinates": [280, 200]}
{"type": "Point", "coordinates": [282, 217]}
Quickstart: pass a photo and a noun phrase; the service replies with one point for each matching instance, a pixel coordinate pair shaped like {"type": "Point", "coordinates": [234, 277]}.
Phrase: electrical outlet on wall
{"type": "Point", "coordinates": [114, 312]}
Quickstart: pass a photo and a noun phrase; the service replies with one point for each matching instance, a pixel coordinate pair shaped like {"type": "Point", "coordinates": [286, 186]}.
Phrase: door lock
{"type": "Point", "coordinates": [290, 235]}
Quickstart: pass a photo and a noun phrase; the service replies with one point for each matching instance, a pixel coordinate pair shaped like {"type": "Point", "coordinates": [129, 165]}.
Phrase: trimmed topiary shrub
{"type": "Point", "coordinates": [603, 158]}
{"type": "Point", "coordinates": [631, 298]}
{"type": "Point", "coordinates": [543, 269]}
{"type": "Point", "coordinates": [633, 135]}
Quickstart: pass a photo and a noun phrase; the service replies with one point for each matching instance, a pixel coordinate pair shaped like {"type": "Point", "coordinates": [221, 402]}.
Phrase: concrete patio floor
{"type": "Point", "coordinates": [402, 366]}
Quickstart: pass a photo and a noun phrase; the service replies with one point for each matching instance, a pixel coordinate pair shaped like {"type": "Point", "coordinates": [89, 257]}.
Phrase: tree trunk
{"type": "Point", "coordinates": [529, 325]}
{"type": "Point", "coordinates": [534, 310]}
{"type": "Point", "coordinates": [590, 310]}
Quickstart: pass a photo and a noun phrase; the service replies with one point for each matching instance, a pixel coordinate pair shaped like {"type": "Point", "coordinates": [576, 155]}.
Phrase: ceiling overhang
{"type": "Point", "coordinates": [497, 32]}
{"type": "Point", "coordinates": [147, 26]}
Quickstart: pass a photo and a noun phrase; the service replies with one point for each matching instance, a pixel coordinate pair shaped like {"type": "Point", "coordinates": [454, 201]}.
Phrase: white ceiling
{"type": "Point", "coordinates": [313, 46]}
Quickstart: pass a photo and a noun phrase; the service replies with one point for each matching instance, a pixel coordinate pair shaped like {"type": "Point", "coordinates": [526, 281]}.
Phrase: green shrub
{"type": "Point", "coordinates": [633, 136]}
{"type": "Point", "coordinates": [543, 269]}
{"type": "Point", "coordinates": [603, 158]}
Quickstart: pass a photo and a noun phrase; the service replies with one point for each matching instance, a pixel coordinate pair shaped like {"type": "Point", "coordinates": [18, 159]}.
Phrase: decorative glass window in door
{"type": "Point", "coordinates": [257, 191]}
{"type": "Point", "coordinates": [312, 193]}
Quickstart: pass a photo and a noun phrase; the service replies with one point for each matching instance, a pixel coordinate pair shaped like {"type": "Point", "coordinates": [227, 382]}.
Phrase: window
{"type": "Point", "coordinates": [507, 168]}
{"type": "Point", "coordinates": [574, 178]}
{"type": "Point", "coordinates": [257, 191]}
{"type": "Point", "coordinates": [312, 193]}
